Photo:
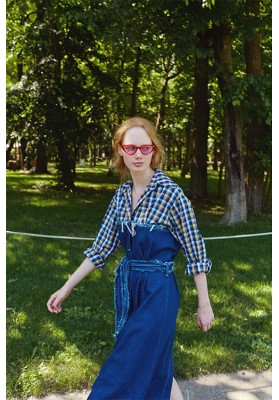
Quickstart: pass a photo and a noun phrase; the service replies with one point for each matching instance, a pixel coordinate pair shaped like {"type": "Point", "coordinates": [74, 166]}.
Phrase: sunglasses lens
{"type": "Point", "coordinates": [130, 149]}
{"type": "Point", "coordinates": [146, 149]}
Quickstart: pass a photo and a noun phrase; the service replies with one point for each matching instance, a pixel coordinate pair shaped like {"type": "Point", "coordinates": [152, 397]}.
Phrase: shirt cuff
{"type": "Point", "coordinates": [96, 259]}
{"type": "Point", "coordinates": [196, 268]}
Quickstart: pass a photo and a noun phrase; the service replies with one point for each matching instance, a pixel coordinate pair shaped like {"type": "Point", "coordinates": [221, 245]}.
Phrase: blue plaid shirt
{"type": "Point", "coordinates": [164, 203]}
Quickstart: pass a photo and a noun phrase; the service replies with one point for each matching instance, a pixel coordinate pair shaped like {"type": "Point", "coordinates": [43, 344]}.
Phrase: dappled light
{"type": "Point", "coordinates": [198, 74]}
{"type": "Point", "coordinates": [76, 342]}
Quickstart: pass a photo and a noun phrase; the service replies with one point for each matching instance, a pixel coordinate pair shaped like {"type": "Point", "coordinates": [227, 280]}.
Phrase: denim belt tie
{"type": "Point", "coordinates": [121, 285]}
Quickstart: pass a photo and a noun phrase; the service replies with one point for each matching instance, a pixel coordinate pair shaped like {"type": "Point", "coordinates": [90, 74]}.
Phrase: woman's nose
{"type": "Point", "coordinates": [138, 153]}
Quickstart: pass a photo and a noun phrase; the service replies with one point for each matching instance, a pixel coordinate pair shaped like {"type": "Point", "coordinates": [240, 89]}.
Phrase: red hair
{"type": "Point", "coordinates": [158, 154]}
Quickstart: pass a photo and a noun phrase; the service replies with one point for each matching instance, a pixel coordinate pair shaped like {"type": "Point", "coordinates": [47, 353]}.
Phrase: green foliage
{"type": "Point", "coordinates": [75, 70]}
{"type": "Point", "coordinates": [52, 353]}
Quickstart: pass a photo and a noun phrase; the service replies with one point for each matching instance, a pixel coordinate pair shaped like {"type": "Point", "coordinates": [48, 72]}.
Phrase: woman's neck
{"type": "Point", "coordinates": [141, 180]}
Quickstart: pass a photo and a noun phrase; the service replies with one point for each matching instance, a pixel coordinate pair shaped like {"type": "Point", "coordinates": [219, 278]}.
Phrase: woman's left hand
{"type": "Point", "coordinates": [205, 317]}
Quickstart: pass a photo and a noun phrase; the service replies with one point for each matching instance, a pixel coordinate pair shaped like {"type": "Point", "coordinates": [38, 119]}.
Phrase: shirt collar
{"type": "Point", "coordinates": [159, 178]}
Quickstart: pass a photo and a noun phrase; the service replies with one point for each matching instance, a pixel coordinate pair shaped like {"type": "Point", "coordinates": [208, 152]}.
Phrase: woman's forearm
{"type": "Point", "coordinates": [83, 270]}
{"type": "Point", "coordinates": [205, 314]}
{"type": "Point", "coordinates": [201, 285]}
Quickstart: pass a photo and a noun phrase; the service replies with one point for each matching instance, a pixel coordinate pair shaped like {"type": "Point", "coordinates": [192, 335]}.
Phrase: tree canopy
{"type": "Point", "coordinates": [199, 69]}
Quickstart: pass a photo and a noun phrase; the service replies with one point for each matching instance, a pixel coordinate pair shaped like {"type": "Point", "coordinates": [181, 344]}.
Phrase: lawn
{"type": "Point", "coordinates": [52, 353]}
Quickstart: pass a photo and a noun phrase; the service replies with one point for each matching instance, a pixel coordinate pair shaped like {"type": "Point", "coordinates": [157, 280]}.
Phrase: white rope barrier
{"type": "Point", "coordinates": [238, 236]}
{"type": "Point", "coordinates": [49, 236]}
{"type": "Point", "coordinates": [92, 239]}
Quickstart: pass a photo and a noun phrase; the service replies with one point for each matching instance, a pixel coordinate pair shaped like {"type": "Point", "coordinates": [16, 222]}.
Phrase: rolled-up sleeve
{"type": "Point", "coordinates": [186, 231]}
{"type": "Point", "coordinates": [107, 240]}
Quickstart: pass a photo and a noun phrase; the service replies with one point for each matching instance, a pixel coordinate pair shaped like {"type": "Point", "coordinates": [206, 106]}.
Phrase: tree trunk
{"type": "Point", "coordinates": [235, 208]}
{"type": "Point", "coordinates": [136, 74]}
{"type": "Point", "coordinates": [256, 130]}
{"type": "Point", "coordinates": [41, 161]}
{"type": "Point", "coordinates": [65, 174]}
{"type": "Point", "coordinates": [119, 83]}
{"type": "Point", "coordinates": [187, 157]}
{"type": "Point", "coordinates": [9, 149]}
{"type": "Point", "coordinates": [161, 113]}
{"type": "Point", "coordinates": [66, 165]}
{"type": "Point", "coordinates": [188, 146]}
{"type": "Point", "coordinates": [267, 191]}
{"type": "Point", "coordinates": [220, 179]}
{"type": "Point", "coordinates": [91, 155]}
{"type": "Point", "coordinates": [198, 181]}
{"type": "Point", "coordinates": [169, 147]}
{"type": "Point", "coordinates": [23, 146]}
{"type": "Point", "coordinates": [161, 117]}
{"type": "Point", "coordinates": [215, 156]}
{"type": "Point", "coordinates": [94, 154]}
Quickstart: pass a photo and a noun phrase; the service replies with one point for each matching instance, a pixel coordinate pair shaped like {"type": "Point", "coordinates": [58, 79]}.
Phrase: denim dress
{"type": "Point", "coordinates": [146, 296]}
{"type": "Point", "coordinates": [146, 303]}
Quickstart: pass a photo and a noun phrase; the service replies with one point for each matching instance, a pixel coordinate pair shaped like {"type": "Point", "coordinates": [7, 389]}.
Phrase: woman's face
{"type": "Point", "coordinates": [137, 162]}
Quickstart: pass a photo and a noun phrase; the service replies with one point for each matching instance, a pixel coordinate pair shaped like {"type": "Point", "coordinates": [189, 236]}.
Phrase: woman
{"type": "Point", "coordinates": [152, 219]}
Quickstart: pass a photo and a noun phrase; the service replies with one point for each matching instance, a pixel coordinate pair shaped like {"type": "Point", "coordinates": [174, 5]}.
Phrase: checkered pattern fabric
{"type": "Point", "coordinates": [162, 203]}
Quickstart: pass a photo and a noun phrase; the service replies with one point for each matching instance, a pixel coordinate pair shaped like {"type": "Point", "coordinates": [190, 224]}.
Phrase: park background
{"type": "Point", "coordinates": [201, 71]}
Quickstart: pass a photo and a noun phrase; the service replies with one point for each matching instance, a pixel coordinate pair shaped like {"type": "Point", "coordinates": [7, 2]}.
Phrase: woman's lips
{"type": "Point", "coordinates": [138, 164]}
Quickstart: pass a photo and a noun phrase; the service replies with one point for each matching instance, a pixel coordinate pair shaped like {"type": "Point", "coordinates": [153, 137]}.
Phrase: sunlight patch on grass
{"type": "Point", "coordinates": [47, 352]}
{"type": "Point", "coordinates": [15, 333]}
{"type": "Point", "coordinates": [37, 202]}
{"type": "Point", "coordinates": [98, 186]}
{"type": "Point", "coordinates": [254, 289]}
{"type": "Point", "coordinates": [214, 356]}
{"type": "Point", "coordinates": [52, 329]}
{"type": "Point", "coordinates": [206, 358]}
{"type": "Point", "coordinates": [69, 368]}
{"type": "Point", "coordinates": [245, 267]}
{"type": "Point", "coordinates": [18, 318]}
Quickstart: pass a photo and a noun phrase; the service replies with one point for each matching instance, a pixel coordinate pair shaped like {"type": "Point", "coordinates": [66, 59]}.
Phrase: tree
{"type": "Point", "coordinates": [236, 208]}
{"type": "Point", "coordinates": [198, 182]}
{"type": "Point", "coordinates": [73, 77]}
{"type": "Point", "coordinates": [257, 128]}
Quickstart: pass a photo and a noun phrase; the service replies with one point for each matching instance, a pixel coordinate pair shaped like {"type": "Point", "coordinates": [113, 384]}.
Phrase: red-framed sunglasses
{"type": "Point", "coordinates": [132, 149]}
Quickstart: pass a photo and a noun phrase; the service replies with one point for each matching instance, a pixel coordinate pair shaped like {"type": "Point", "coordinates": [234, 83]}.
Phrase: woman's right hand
{"type": "Point", "coordinates": [56, 299]}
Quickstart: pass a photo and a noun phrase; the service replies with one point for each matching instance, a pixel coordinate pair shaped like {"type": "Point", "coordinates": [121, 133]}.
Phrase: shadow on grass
{"type": "Point", "coordinates": [36, 338]}
{"type": "Point", "coordinates": [39, 209]}
{"type": "Point", "coordinates": [48, 352]}
{"type": "Point", "coordinates": [40, 346]}
{"type": "Point", "coordinates": [240, 291]}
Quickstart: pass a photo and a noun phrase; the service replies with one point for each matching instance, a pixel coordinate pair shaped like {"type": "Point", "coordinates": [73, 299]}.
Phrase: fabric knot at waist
{"type": "Point", "coordinates": [121, 285]}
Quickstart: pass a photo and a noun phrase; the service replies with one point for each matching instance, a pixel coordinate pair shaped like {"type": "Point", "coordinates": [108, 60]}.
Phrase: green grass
{"type": "Point", "coordinates": [49, 353]}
